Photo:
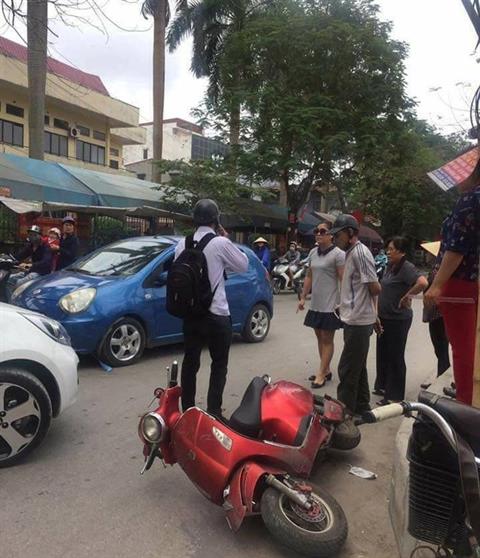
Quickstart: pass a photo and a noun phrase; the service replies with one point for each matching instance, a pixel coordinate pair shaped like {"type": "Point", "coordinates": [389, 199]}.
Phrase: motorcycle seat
{"type": "Point", "coordinates": [465, 420]}
{"type": "Point", "coordinates": [247, 419]}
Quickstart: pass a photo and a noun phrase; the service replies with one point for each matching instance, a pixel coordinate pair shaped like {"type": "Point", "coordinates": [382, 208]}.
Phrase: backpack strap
{"type": "Point", "coordinates": [189, 242]}
{"type": "Point", "coordinates": [201, 244]}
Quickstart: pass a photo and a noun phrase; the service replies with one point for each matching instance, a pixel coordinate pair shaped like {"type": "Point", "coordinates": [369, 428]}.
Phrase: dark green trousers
{"type": "Point", "coordinates": [353, 389]}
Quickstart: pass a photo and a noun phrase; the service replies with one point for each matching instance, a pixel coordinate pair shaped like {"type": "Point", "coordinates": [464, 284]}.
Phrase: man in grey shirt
{"type": "Point", "coordinates": [359, 290]}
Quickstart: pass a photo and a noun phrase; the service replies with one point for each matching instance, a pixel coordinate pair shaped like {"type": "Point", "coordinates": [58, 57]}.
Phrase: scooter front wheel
{"type": "Point", "coordinates": [276, 286]}
{"type": "Point", "coordinates": [318, 533]}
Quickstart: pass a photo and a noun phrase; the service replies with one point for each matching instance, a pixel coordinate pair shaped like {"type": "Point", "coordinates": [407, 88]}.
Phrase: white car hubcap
{"type": "Point", "coordinates": [259, 323]}
{"type": "Point", "coordinates": [20, 419]}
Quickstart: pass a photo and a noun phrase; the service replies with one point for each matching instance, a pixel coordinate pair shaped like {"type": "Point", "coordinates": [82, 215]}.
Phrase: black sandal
{"type": "Point", "coordinates": [328, 377]}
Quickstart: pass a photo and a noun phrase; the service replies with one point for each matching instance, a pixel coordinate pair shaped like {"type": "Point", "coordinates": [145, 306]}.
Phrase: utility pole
{"type": "Point", "coordinates": [37, 33]}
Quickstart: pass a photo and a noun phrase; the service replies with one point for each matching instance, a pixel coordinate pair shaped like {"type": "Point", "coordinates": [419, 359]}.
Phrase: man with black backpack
{"type": "Point", "coordinates": [196, 293]}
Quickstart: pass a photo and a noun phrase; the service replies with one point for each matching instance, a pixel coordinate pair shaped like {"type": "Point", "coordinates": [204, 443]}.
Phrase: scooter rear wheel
{"type": "Point", "coordinates": [318, 533]}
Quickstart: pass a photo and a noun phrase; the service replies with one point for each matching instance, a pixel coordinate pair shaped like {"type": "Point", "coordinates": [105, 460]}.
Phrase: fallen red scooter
{"type": "Point", "coordinates": [259, 461]}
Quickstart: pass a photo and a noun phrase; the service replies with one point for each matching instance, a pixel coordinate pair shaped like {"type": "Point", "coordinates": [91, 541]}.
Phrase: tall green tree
{"type": "Point", "coordinates": [325, 76]}
{"type": "Point", "coordinates": [213, 24]}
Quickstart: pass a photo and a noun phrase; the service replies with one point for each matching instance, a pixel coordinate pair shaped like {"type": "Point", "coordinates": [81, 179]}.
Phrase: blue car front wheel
{"type": "Point", "coordinates": [124, 343]}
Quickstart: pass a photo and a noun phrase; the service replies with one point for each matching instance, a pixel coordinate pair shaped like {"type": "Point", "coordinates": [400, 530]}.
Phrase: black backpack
{"type": "Point", "coordinates": [189, 293]}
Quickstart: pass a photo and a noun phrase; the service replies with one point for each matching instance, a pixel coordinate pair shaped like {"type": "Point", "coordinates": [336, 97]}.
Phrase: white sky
{"type": "Point", "coordinates": [440, 35]}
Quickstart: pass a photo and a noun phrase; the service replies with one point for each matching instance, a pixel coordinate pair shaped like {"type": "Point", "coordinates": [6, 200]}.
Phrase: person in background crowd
{"type": "Point", "coordinates": [456, 277]}
{"type": "Point", "coordinates": [325, 272]}
{"type": "Point", "coordinates": [399, 283]}
{"type": "Point", "coordinates": [261, 249]}
{"type": "Point", "coordinates": [358, 294]}
{"type": "Point", "coordinates": [432, 316]}
{"type": "Point", "coordinates": [293, 257]}
{"type": "Point", "coordinates": [53, 241]}
{"type": "Point", "coordinates": [69, 245]}
{"type": "Point", "coordinates": [40, 255]}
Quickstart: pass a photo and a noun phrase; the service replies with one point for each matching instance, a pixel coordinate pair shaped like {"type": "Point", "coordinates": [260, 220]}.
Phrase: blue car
{"type": "Point", "coordinates": [112, 301]}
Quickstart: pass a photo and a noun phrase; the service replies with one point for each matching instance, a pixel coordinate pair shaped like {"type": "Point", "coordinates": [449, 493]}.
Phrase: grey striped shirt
{"type": "Point", "coordinates": [356, 303]}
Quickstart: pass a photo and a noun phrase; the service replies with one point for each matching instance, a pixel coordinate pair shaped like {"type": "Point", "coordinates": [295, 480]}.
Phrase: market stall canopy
{"type": "Point", "coordinates": [30, 179]}
{"type": "Point", "coordinates": [24, 206]}
{"type": "Point", "coordinates": [249, 214]}
{"type": "Point", "coordinates": [116, 190]}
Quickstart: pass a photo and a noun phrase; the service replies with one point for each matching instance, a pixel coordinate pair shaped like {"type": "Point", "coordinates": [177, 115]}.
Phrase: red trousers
{"type": "Point", "coordinates": [460, 324]}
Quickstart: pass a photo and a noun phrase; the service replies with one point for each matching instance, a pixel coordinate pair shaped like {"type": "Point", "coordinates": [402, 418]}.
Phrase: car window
{"type": "Point", "coordinates": [126, 257]}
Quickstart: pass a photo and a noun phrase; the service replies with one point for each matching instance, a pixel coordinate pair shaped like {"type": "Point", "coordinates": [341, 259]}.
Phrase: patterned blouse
{"type": "Point", "coordinates": [461, 234]}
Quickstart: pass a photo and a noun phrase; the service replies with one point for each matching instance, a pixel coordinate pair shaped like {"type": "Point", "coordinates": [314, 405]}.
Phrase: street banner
{"type": "Point", "coordinates": [456, 171]}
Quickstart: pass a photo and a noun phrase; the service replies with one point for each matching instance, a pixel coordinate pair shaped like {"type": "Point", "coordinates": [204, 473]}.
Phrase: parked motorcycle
{"type": "Point", "coordinates": [7, 264]}
{"type": "Point", "coordinates": [280, 278]}
{"type": "Point", "coordinates": [444, 461]}
{"type": "Point", "coordinates": [381, 262]}
{"type": "Point", "coordinates": [258, 462]}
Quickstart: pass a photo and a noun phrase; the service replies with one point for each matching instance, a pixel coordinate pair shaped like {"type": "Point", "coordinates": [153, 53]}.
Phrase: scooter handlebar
{"type": "Point", "coordinates": [384, 413]}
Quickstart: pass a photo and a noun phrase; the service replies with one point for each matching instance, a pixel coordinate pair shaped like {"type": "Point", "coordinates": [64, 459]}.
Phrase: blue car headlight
{"type": "Point", "coordinates": [50, 327]}
{"type": "Point", "coordinates": [77, 301]}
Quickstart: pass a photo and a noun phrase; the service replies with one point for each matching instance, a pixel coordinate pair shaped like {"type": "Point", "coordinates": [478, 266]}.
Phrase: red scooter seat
{"type": "Point", "coordinates": [247, 419]}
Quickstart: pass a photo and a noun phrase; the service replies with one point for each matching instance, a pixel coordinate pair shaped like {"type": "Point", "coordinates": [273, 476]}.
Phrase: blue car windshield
{"type": "Point", "coordinates": [126, 257]}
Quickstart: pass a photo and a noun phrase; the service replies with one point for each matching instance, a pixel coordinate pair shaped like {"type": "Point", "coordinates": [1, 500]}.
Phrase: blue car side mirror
{"type": "Point", "coordinates": [161, 280]}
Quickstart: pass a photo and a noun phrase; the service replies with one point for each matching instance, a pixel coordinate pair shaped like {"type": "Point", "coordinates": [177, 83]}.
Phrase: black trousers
{"type": "Point", "coordinates": [440, 344]}
{"type": "Point", "coordinates": [391, 367]}
{"type": "Point", "coordinates": [216, 333]}
{"type": "Point", "coordinates": [353, 389]}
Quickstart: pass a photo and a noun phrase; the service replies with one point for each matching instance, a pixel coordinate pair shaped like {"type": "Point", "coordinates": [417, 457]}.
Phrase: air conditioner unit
{"type": "Point", "coordinates": [73, 132]}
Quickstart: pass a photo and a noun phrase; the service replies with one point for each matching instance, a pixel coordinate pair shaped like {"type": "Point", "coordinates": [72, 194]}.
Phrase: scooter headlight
{"type": "Point", "coordinates": [153, 428]}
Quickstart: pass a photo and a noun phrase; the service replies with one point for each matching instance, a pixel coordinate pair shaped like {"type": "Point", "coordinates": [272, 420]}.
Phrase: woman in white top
{"type": "Point", "coordinates": [323, 278]}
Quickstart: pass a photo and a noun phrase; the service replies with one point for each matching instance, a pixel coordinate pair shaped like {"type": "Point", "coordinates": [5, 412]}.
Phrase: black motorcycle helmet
{"type": "Point", "coordinates": [206, 212]}
{"type": "Point", "coordinates": [344, 221]}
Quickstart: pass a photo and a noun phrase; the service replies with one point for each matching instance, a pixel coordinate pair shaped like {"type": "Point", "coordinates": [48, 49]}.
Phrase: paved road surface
{"type": "Point", "coordinates": [81, 494]}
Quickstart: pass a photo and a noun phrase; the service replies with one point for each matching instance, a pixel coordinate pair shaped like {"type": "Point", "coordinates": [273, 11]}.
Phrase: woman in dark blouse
{"type": "Point", "coordinates": [400, 282]}
{"type": "Point", "coordinates": [457, 278]}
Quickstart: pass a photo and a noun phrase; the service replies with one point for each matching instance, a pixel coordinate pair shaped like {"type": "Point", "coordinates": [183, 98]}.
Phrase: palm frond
{"type": "Point", "coordinates": [150, 8]}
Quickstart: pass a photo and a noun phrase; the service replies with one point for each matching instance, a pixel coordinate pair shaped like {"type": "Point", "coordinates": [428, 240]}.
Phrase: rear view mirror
{"type": "Point", "coordinates": [161, 280]}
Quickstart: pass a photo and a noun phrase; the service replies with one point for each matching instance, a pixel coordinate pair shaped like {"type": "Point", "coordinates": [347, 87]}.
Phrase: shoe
{"type": "Point", "coordinates": [217, 414]}
{"type": "Point", "coordinates": [383, 402]}
{"type": "Point", "coordinates": [328, 377]}
{"type": "Point", "coordinates": [314, 385]}
{"type": "Point", "coordinates": [425, 386]}
{"type": "Point", "coordinates": [379, 392]}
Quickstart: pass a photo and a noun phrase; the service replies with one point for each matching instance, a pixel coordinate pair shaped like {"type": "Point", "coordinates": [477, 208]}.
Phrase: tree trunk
{"type": "Point", "coordinates": [159, 26]}
{"type": "Point", "coordinates": [37, 33]}
{"type": "Point", "coordinates": [235, 125]}
{"type": "Point", "coordinates": [284, 188]}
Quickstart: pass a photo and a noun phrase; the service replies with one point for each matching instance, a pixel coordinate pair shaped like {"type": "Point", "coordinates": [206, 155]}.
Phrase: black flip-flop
{"type": "Point", "coordinates": [328, 377]}
{"type": "Point", "coordinates": [312, 378]}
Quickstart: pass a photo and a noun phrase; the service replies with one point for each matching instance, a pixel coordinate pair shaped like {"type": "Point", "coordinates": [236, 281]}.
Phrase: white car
{"type": "Point", "coordinates": [38, 379]}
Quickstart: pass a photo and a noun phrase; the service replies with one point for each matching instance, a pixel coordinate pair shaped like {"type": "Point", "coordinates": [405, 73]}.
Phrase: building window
{"type": "Point", "coordinates": [47, 120]}
{"type": "Point", "coordinates": [83, 130]}
{"type": "Point", "coordinates": [142, 176]}
{"type": "Point", "coordinates": [113, 164]}
{"type": "Point", "coordinates": [11, 133]}
{"type": "Point", "coordinates": [62, 124]}
{"type": "Point", "coordinates": [114, 152]}
{"type": "Point", "coordinates": [14, 110]}
{"type": "Point", "coordinates": [55, 144]}
{"type": "Point", "coordinates": [205, 148]}
{"type": "Point", "coordinates": [99, 135]}
{"type": "Point", "coordinates": [90, 153]}
{"type": "Point", "coordinates": [145, 153]}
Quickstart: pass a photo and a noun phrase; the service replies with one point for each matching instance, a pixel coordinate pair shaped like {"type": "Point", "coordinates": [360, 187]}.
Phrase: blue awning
{"type": "Point", "coordinates": [30, 179]}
